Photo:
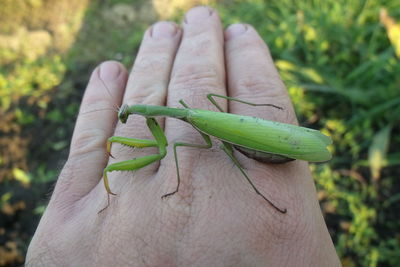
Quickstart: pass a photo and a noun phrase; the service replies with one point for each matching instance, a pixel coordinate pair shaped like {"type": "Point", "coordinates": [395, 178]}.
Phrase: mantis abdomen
{"type": "Point", "coordinates": [256, 134]}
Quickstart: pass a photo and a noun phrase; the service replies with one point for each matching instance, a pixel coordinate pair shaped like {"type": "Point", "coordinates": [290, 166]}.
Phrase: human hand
{"type": "Point", "coordinates": [216, 219]}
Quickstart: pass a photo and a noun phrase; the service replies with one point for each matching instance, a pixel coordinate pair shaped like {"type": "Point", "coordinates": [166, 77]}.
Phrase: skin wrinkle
{"type": "Point", "coordinates": [51, 256]}
{"type": "Point", "coordinates": [260, 87]}
{"type": "Point", "coordinates": [74, 161]}
{"type": "Point", "coordinates": [135, 124]}
{"type": "Point", "coordinates": [297, 233]}
{"type": "Point", "coordinates": [120, 187]}
{"type": "Point", "coordinates": [187, 233]}
{"type": "Point", "coordinates": [198, 44]}
{"type": "Point", "coordinates": [272, 230]}
{"type": "Point", "coordinates": [99, 106]}
{"type": "Point", "coordinates": [269, 113]}
{"type": "Point", "coordinates": [262, 78]}
{"type": "Point", "coordinates": [64, 186]}
{"type": "Point", "coordinates": [277, 228]}
{"type": "Point", "coordinates": [193, 86]}
{"type": "Point", "coordinates": [148, 95]}
{"type": "Point", "coordinates": [115, 237]}
{"type": "Point", "coordinates": [189, 159]}
{"type": "Point", "coordinates": [197, 252]}
{"type": "Point", "coordinates": [285, 259]}
{"type": "Point", "coordinates": [145, 65]}
{"type": "Point", "coordinates": [267, 227]}
{"type": "Point", "coordinates": [139, 179]}
{"type": "Point", "coordinates": [255, 89]}
{"type": "Point", "coordinates": [201, 77]}
{"type": "Point", "coordinates": [304, 233]}
{"type": "Point", "coordinates": [260, 175]}
{"type": "Point", "coordinates": [186, 162]}
{"type": "Point", "coordinates": [203, 249]}
{"type": "Point", "coordinates": [126, 255]}
{"type": "Point", "coordinates": [236, 189]}
{"type": "Point", "coordinates": [182, 136]}
{"type": "Point", "coordinates": [81, 245]}
{"type": "Point", "coordinates": [184, 199]}
{"type": "Point", "coordinates": [183, 82]}
{"type": "Point", "coordinates": [86, 144]}
{"type": "Point", "coordinates": [46, 253]}
{"type": "Point", "coordinates": [163, 231]}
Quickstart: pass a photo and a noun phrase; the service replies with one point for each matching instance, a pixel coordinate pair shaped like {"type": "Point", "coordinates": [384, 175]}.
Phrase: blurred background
{"type": "Point", "coordinates": [338, 58]}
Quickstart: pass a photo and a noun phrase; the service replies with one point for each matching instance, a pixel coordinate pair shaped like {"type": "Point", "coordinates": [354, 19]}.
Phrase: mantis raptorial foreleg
{"type": "Point", "coordinates": [131, 142]}
{"type": "Point", "coordinates": [257, 138]}
{"type": "Point", "coordinates": [137, 163]}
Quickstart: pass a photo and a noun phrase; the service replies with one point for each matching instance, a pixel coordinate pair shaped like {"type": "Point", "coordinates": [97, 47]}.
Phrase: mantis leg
{"type": "Point", "coordinates": [137, 163]}
{"type": "Point", "coordinates": [131, 142]}
{"type": "Point", "coordinates": [212, 100]}
{"type": "Point", "coordinates": [207, 145]}
{"type": "Point", "coordinates": [229, 151]}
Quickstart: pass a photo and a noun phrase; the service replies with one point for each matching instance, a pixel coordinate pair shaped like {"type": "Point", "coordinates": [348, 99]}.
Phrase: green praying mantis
{"type": "Point", "coordinates": [259, 139]}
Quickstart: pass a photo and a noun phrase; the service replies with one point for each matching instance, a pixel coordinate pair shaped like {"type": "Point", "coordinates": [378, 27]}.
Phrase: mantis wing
{"type": "Point", "coordinates": [262, 135]}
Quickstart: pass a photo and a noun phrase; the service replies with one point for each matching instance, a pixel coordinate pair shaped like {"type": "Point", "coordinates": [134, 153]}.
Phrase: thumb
{"type": "Point", "coordinates": [95, 123]}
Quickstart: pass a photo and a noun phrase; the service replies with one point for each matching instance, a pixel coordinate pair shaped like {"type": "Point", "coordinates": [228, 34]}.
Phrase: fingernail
{"type": "Point", "coordinates": [235, 30]}
{"type": "Point", "coordinates": [109, 71]}
{"type": "Point", "coordinates": [163, 29]}
{"type": "Point", "coordinates": [197, 14]}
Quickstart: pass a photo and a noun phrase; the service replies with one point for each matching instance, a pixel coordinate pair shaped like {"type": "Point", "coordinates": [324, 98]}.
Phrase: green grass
{"type": "Point", "coordinates": [335, 58]}
{"type": "Point", "coordinates": [343, 76]}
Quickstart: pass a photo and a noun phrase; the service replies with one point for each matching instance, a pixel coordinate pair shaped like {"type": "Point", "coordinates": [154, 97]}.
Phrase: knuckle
{"type": "Point", "coordinates": [63, 198]}
{"type": "Point", "coordinates": [87, 141]}
{"type": "Point", "coordinates": [95, 104]}
{"type": "Point", "coordinates": [151, 92]}
{"type": "Point", "coordinates": [196, 76]}
{"type": "Point", "coordinates": [295, 230]}
{"type": "Point", "coordinates": [261, 90]}
{"type": "Point", "coordinates": [199, 44]}
{"type": "Point", "coordinates": [153, 63]}
{"type": "Point", "coordinates": [148, 80]}
{"type": "Point", "coordinates": [192, 82]}
{"type": "Point", "coordinates": [263, 85]}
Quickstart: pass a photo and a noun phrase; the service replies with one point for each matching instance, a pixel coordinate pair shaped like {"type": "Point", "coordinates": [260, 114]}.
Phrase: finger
{"type": "Point", "coordinates": [252, 76]}
{"type": "Point", "coordinates": [148, 81]}
{"type": "Point", "coordinates": [148, 84]}
{"type": "Point", "coordinates": [95, 123]}
{"type": "Point", "coordinates": [198, 68]}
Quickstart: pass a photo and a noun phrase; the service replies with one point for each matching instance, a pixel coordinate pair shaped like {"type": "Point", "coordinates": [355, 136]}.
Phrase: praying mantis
{"type": "Point", "coordinates": [259, 139]}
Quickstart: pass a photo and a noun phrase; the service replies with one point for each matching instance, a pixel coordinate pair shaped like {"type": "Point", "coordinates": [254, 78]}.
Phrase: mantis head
{"type": "Point", "coordinates": [123, 113]}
